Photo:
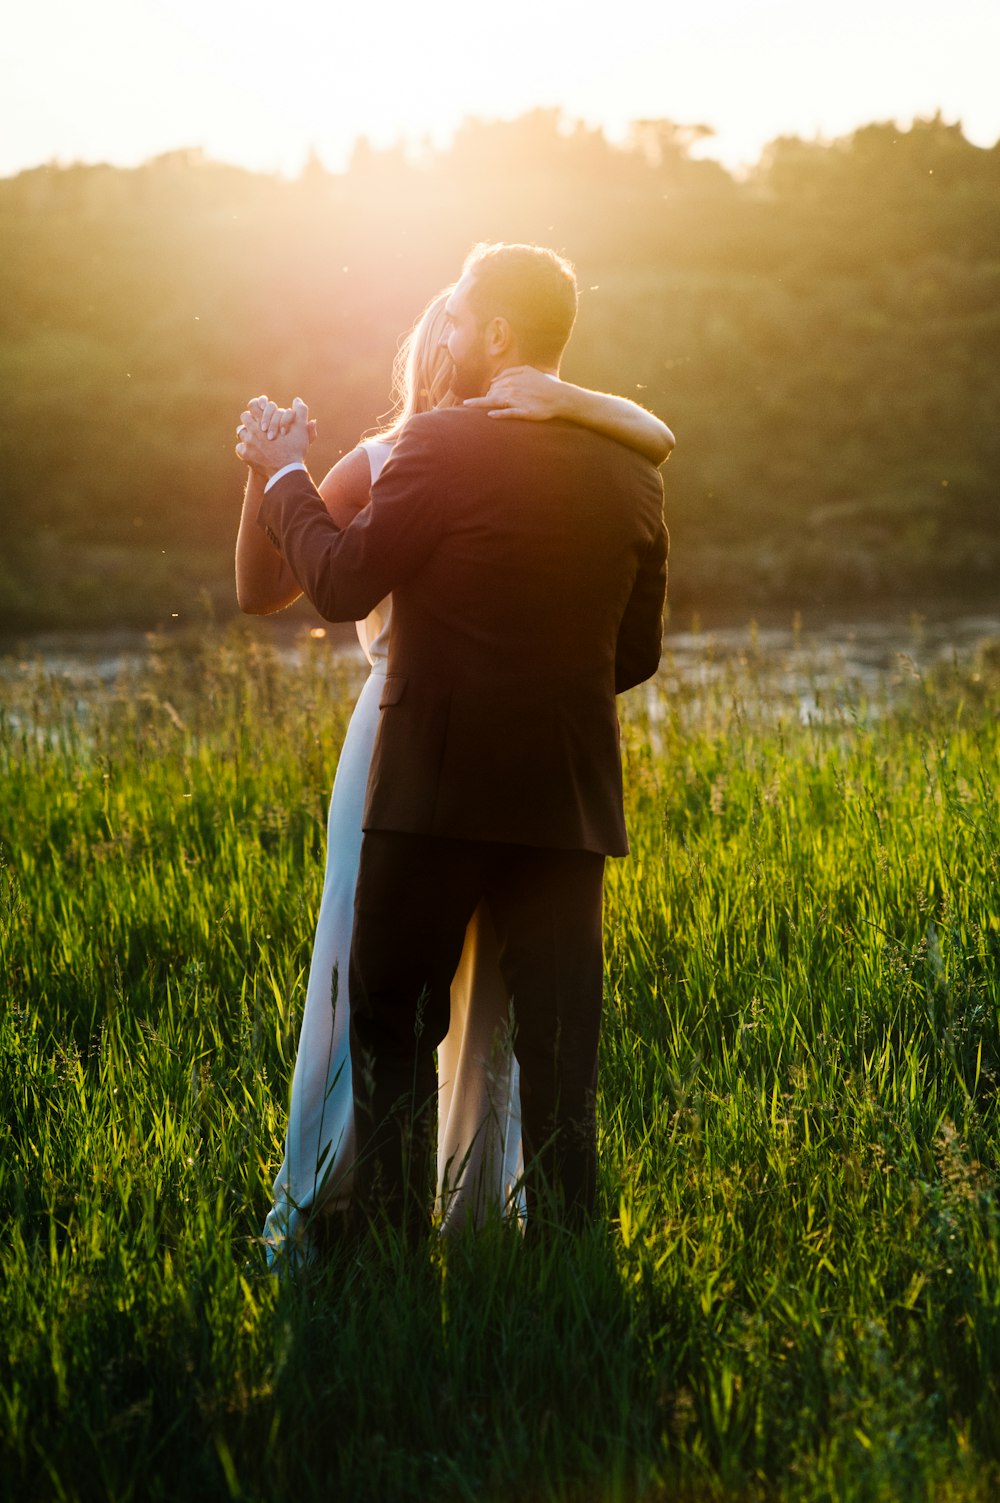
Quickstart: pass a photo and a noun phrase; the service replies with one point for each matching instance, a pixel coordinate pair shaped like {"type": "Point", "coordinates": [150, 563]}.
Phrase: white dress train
{"type": "Point", "coordinates": [479, 1130]}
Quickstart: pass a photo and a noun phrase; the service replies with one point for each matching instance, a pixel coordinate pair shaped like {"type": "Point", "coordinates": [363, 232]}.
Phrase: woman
{"type": "Point", "coordinates": [478, 1129]}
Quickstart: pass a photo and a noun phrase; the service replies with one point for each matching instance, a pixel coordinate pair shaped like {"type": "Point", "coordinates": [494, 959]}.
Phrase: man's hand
{"type": "Point", "coordinates": [523, 392]}
{"type": "Point", "coordinates": [274, 419]}
{"type": "Point", "coordinates": [271, 437]}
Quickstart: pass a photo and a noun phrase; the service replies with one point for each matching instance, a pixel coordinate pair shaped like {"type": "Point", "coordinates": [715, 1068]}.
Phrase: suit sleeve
{"type": "Point", "coordinates": [345, 572]}
{"type": "Point", "coordinates": [640, 635]}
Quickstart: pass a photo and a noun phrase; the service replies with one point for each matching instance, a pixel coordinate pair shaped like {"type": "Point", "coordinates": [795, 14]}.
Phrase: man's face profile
{"type": "Point", "coordinates": [465, 340]}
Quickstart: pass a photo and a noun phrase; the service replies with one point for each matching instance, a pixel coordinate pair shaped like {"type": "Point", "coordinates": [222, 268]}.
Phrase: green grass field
{"type": "Point", "coordinates": [795, 1289]}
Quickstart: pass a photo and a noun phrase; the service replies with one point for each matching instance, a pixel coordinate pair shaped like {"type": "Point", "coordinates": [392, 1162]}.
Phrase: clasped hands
{"type": "Point", "coordinates": [271, 436]}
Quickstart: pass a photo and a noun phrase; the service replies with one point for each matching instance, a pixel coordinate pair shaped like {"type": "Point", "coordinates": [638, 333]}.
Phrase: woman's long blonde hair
{"type": "Point", "coordinates": [421, 371]}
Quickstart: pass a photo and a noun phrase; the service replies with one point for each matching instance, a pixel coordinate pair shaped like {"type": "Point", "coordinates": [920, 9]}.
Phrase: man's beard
{"type": "Point", "coordinates": [470, 378]}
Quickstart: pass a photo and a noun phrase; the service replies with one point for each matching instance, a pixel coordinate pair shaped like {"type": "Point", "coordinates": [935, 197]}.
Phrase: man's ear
{"type": "Point", "coordinates": [499, 337]}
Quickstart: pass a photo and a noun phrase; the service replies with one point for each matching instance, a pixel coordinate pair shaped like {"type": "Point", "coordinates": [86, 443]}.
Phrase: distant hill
{"type": "Point", "coordinates": [824, 338]}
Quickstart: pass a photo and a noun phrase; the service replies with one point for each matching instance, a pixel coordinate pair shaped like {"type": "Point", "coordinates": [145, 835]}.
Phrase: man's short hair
{"type": "Point", "coordinates": [533, 288]}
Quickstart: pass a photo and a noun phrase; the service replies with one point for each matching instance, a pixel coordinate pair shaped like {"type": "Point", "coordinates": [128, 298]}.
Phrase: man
{"type": "Point", "coordinates": [527, 566]}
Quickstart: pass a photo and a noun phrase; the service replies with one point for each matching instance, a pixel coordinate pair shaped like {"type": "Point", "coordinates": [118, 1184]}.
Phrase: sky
{"type": "Point", "coordinates": [260, 85]}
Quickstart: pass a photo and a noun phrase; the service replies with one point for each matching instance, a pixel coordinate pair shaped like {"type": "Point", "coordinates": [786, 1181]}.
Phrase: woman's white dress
{"type": "Point", "coordinates": [479, 1132]}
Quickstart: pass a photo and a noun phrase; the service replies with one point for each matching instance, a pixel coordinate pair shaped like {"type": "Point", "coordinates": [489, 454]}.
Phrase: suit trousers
{"type": "Point", "coordinates": [415, 896]}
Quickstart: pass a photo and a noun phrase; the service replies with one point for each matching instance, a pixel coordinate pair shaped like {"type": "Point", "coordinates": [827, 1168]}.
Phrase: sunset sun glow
{"type": "Point", "coordinates": [262, 87]}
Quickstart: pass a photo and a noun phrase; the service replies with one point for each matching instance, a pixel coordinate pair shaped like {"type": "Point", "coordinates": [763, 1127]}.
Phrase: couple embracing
{"type": "Point", "coordinates": [508, 577]}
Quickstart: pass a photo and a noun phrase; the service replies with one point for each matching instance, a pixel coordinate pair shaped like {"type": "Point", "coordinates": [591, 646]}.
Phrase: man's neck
{"type": "Point", "coordinates": [509, 364]}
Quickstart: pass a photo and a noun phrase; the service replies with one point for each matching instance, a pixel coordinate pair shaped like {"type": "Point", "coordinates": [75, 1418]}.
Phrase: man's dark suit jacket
{"type": "Point", "coordinates": [527, 567]}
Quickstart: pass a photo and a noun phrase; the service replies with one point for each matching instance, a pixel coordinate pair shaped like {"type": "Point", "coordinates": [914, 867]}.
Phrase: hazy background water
{"type": "Point", "coordinates": [833, 664]}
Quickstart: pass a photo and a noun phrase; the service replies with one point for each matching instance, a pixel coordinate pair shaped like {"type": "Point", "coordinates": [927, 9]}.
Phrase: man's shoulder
{"type": "Point", "coordinates": [448, 420]}
{"type": "Point", "coordinates": [604, 459]}
{"type": "Point", "coordinates": [469, 434]}
{"type": "Point", "coordinates": [441, 430]}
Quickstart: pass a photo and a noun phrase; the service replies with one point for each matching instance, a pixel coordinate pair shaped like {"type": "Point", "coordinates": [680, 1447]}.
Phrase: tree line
{"type": "Point", "coordinates": [823, 334]}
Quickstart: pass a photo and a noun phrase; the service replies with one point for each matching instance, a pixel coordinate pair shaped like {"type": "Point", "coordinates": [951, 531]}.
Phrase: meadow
{"type": "Point", "coordinates": [794, 1289]}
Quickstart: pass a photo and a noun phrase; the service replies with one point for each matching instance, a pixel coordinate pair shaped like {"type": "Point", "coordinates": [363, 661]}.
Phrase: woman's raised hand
{"type": "Point", "coordinates": [523, 392]}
